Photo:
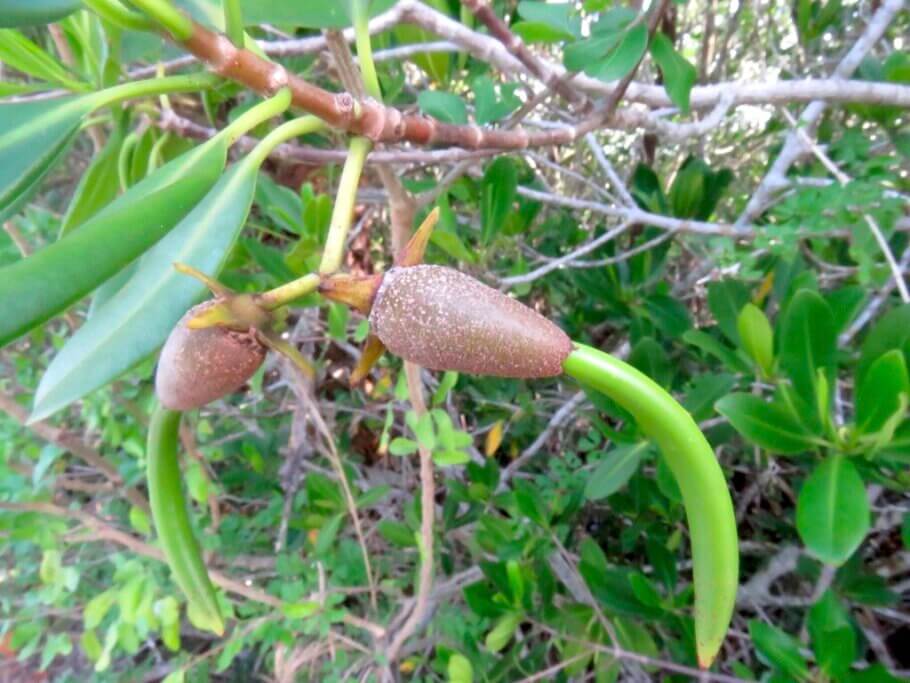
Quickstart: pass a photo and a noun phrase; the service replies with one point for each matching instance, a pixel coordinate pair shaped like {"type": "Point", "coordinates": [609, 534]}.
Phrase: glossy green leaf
{"type": "Point", "coordinates": [882, 393]}
{"type": "Point", "coordinates": [678, 74]}
{"type": "Point", "coordinates": [756, 337]}
{"type": "Point", "coordinates": [623, 58]}
{"type": "Point", "coordinates": [767, 425]}
{"type": "Point", "coordinates": [499, 189]}
{"type": "Point", "coordinates": [614, 471]}
{"type": "Point", "coordinates": [561, 18]}
{"type": "Point", "coordinates": [445, 106]}
{"type": "Point", "coordinates": [33, 138]}
{"type": "Point", "coordinates": [137, 320]}
{"type": "Point", "coordinates": [778, 649]}
{"type": "Point", "coordinates": [20, 53]}
{"type": "Point", "coordinates": [808, 341]}
{"type": "Point", "coordinates": [21, 13]}
{"type": "Point", "coordinates": [35, 289]}
{"type": "Point", "coordinates": [832, 512]}
{"type": "Point", "coordinates": [97, 187]}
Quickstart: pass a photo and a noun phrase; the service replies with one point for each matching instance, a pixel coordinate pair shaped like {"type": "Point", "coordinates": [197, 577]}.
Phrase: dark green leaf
{"type": "Point", "coordinates": [614, 471]}
{"type": "Point", "coordinates": [808, 341]}
{"type": "Point", "coordinates": [97, 187]}
{"type": "Point", "coordinates": [766, 424]}
{"type": "Point", "coordinates": [499, 187]}
{"type": "Point", "coordinates": [892, 331]}
{"type": "Point", "coordinates": [678, 74]}
{"type": "Point", "coordinates": [396, 533]}
{"type": "Point", "coordinates": [718, 349]}
{"type": "Point", "coordinates": [560, 17]}
{"type": "Point", "coordinates": [650, 357]}
{"type": "Point", "coordinates": [33, 138]}
{"type": "Point", "coordinates": [624, 57]}
{"type": "Point", "coordinates": [833, 637]}
{"type": "Point", "coordinates": [778, 649]}
{"type": "Point", "coordinates": [19, 13]}
{"type": "Point", "coordinates": [726, 299]}
{"type": "Point", "coordinates": [37, 288]}
{"type": "Point", "coordinates": [832, 512]}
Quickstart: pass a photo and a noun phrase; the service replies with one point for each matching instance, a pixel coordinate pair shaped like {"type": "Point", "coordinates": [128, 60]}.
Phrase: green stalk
{"type": "Point", "coordinates": [292, 129]}
{"type": "Point", "coordinates": [172, 521]}
{"type": "Point", "coordinates": [233, 22]}
{"type": "Point", "coordinates": [709, 510]}
{"type": "Point", "coordinates": [288, 292]}
{"type": "Point", "coordinates": [117, 14]}
{"type": "Point", "coordinates": [154, 86]}
{"type": "Point", "coordinates": [263, 111]}
{"type": "Point", "coordinates": [361, 17]}
{"type": "Point", "coordinates": [163, 12]}
{"type": "Point", "coordinates": [343, 211]}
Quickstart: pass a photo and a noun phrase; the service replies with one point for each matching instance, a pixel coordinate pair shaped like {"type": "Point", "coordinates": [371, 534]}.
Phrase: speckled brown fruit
{"type": "Point", "coordinates": [442, 319]}
{"type": "Point", "coordinates": [198, 366]}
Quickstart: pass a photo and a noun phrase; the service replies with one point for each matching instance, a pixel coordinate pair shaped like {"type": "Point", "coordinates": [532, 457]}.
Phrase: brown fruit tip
{"type": "Point", "coordinates": [442, 319]}
{"type": "Point", "coordinates": [197, 366]}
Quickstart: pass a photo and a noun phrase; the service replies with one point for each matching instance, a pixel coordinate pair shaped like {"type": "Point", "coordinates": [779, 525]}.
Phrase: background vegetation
{"type": "Point", "coordinates": [743, 241]}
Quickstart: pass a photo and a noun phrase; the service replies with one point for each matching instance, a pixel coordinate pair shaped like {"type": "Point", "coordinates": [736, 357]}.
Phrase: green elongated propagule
{"type": "Point", "coordinates": [172, 522]}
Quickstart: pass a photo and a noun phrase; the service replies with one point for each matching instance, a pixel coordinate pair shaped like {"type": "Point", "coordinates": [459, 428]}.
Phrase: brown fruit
{"type": "Point", "coordinates": [442, 319]}
{"type": "Point", "coordinates": [198, 366]}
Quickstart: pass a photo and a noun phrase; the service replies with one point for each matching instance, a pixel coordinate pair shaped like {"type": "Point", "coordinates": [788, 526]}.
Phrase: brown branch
{"type": "Point", "coordinates": [73, 444]}
{"type": "Point", "coordinates": [516, 46]}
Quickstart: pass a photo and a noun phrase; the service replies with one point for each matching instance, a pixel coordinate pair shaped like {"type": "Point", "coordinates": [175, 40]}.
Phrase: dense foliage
{"type": "Point", "coordinates": [735, 225]}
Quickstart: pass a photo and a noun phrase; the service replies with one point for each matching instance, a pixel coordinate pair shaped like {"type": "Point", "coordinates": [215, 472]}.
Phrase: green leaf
{"type": "Point", "coordinates": [402, 446]}
{"type": "Point", "coordinates": [37, 288]}
{"type": "Point", "coordinates": [614, 471]}
{"type": "Point", "coordinates": [451, 457]}
{"type": "Point", "coordinates": [882, 392]}
{"type": "Point", "coordinates": [280, 13]}
{"type": "Point", "coordinates": [756, 337]}
{"type": "Point", "coordinates": [445, 106]}
{"type": "Point", "coordinates": [459, 669]}
{"type": "Point", "coordinates": [892, 331]}
{"type": "Point", "coordinates": [328, 533]}
{"type": "Point", "coordinates": [559, 17]}
{"type": "Point", "coordinates": [768, 425]}
{"type": "Point", "coordinates": [137, 320]}
{"type": "Point", "coordinates": [833, 637]}
{"type": "Point", "coordinates": [678, 74]}
{"type": "Point", "coordinates": [300, 610]}
{"type": "Point", "coordinates": [23, 55]}
{"type": "Point", "coordinates": [97, 187]}
{"type": "Point", "coordinates": [808, 341]}
{"type": "Point", "coordinates": [397, 533]}
{"type": "Point", "coordinates": [778, 649]}
{"type": "Point", "coordinates": [34, 136]}
{"type": "Point", "coordinates": [19, 13]}
{"type": "Point", "coordinates": [726, 299]}
{"type": "Point", "coordinates": [502, 632]}
{"type": "Point", "coordinates": [718, 349]}
{"type": "Point", "coordinates": [650, 357]}
{"type": "Point", "coordinates": [499, 188]}
{"type": "Point", "coordinates": [490, 107]}
{"type": "Point", "coordinates": [832, 512]}
{"type": "Point", "coordinates": [623, 58]}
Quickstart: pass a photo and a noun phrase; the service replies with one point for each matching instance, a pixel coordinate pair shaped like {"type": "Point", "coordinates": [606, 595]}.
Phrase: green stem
{"type": "Point", "coordinates": [233, 22]}
{"type": "Point", "coordinates": [263, 111]}
{"type": "Point", "coordinates": [292, 129]}
{"type": "Point", "coordinates": [288, 292]}
{"type": "Point", "coordinates": [361, 19]}
{"type": "Point", "coordinates": [154, 86]}
{"type": "Point", "coordinates": [172, 521]}
{"type": "Point", "coordinates": [117, 14]}
{"type": "Point", "coordinates": [343, 211]}
{"type": "Point", "coordinates": [163, 12]}
{"type": "Point", "coordinates": [706, 498]}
